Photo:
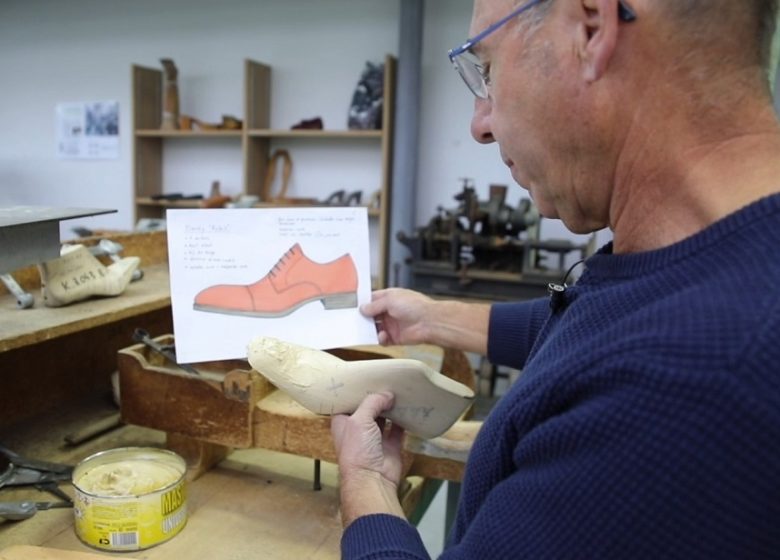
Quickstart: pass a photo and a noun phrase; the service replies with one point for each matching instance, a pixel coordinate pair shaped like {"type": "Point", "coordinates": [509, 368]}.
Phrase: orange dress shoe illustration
{"type": "Point", "coordinates": [294, 281]}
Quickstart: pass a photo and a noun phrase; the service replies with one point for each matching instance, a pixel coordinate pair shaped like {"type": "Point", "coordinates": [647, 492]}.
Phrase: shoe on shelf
{"type": "Point", "coordinates": [426, 404]}
{"type": "Point", "coordinates": [353, 199]}
{"type": "Point", "coordinates": [335, 198]}
{"type": "Point", "coordinates": [294, 281]}
{"type": "Point", "coordinates": [309, 124]}
{"type": "Point", "coordinates": [78, 275]}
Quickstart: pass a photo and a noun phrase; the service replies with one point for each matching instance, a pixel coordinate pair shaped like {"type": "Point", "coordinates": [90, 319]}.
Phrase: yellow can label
{"type": "Point", "coordinates": [130, 523]}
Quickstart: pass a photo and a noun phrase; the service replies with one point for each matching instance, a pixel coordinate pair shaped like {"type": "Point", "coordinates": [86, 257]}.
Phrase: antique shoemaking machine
{"type": "Point", "coordinates": [486, 249]}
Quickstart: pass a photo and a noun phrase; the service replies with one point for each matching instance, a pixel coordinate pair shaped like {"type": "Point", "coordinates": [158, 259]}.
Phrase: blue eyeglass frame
{"type": "Point", "coordinates": [625, 13]}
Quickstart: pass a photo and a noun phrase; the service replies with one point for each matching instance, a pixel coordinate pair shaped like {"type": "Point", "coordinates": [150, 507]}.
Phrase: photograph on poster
{"type": "Point", "coordinates": [87, 130]}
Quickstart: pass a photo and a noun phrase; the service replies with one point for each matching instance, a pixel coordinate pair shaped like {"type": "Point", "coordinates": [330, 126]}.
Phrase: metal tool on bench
{"type": "Point", "coordinates": [17, 511]}
{"type": "Point", "coordinates": [140, 335]}
{"type": "Point", "coordinates": [111, 249]}
{"type": "Point", "coordinates": [24, 300]}
{"type": "Point", "coordinates": [44, 476]}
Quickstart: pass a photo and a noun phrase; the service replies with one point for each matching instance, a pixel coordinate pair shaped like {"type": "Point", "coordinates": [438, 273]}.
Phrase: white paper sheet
{"type": "Point", "coordinates": [238, 248]}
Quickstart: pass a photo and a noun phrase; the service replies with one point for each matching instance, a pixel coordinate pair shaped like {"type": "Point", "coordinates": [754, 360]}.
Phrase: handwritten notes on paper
{"type": "Point", "coordinates": [199, 251]}
{"type": "Point", "coordinates": [298, 274]}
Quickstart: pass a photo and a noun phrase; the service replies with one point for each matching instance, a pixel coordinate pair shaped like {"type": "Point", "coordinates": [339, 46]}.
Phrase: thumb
{"type": "Point", "coordinates": [373, 406]}
{"type": "Point", "coordinates": [376, 306]}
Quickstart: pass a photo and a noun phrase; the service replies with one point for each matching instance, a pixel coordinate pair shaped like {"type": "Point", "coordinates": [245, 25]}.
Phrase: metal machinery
{"type": "Point", "coordinates": [486, 249]}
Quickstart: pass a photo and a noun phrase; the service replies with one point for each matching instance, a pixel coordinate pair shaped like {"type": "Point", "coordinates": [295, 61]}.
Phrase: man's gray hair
{"type": "Point", "coordinates": [708, 19]}
{"type": "Point", "coordinates": [705, 19]}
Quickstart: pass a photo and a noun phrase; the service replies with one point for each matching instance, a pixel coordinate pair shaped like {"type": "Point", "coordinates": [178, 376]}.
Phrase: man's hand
{"type": "Point", "coordinates": [369, 459]}
{"type": "Point", "coordinates": [401, 315]}
{"type": "Point", "coordinates": [409, 317]}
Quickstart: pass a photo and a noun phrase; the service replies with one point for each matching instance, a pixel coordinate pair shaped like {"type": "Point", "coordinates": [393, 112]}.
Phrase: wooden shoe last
{"type": "Point", "coordinates": [427, 403]}
{"type": "Point", "coordinates": [77, 275]}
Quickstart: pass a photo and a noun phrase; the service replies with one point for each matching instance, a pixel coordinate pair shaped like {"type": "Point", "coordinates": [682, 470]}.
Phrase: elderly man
{"type": "Point", "coordinates": [646, 423]}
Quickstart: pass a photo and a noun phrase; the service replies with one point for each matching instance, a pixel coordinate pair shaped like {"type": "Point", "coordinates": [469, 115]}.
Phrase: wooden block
{"type": "Point", "coordinates": [216, 407]}
{"type": "Point", "coordinates": [199, 455]}
{"type": "Point", "coordinates": [235, 408]}
{"type": "Point", "coordinates": [281, 424]}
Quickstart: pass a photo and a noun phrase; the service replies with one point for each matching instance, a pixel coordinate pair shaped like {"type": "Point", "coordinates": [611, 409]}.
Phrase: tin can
{"type": "Point", "coordinates": [129, 498]}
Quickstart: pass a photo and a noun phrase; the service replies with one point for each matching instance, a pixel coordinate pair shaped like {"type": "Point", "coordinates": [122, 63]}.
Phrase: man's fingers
{"type": "Point", "coordinates": [373, 406]}
{"type": "Point", "coordinates": [377, 305]}
{"type": "Point", "coordinates": [394, 439]}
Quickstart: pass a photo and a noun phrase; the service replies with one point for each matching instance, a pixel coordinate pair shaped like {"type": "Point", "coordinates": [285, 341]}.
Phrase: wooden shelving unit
{"type": "Point", "coordinates": [321, 134]}
{"type": "Point", "coordinates": [256, 139]}
{"type": "Point", "coordinates": [188, 133]}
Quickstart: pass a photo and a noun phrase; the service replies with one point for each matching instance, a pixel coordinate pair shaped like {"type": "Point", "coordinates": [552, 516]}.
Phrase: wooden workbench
{"type": "Point", "coordinates": [254, 504]}
{"type": "Point", "coordinates": [55, 367]}
{"type": "Point", "coordinates": [54, 356]}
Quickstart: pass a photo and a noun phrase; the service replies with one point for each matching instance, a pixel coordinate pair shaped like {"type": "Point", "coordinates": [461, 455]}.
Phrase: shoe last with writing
{"type": "Point", "coordinates": [294, 281]}
{"type": "Point", "coordinates": [77, 275]}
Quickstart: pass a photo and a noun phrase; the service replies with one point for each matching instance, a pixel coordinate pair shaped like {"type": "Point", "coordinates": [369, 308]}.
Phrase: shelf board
{"type": "Point", "coordinates": [163, 203]}
{"type": "Point", "coordinates": [282, 133]}
{"type": "Point", "coordinates": [153, 133]}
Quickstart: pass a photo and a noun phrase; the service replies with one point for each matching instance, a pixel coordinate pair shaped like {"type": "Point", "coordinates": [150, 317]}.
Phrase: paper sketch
{"type": "Point", "coordinates": [294, 281]}
{"type": "Point", "coordinates": [298, 274]}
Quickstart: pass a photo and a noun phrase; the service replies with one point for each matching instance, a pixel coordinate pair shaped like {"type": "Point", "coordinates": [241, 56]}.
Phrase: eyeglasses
{"type": "Point", "coordinates": [472, 70]}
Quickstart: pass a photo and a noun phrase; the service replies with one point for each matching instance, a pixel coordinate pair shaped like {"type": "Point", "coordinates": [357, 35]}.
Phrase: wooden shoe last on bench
{"type": "Point", "coordinates": [426, 404]}
{"type": "Point", "coordinates": [77, 275]}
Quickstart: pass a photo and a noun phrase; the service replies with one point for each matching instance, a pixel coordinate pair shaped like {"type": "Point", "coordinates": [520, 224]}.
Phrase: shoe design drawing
{"type": "Point", "coordinates": [294, 281]}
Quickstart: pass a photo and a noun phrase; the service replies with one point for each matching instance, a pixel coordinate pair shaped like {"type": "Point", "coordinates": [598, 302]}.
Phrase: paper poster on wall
{"type": "Point", "coordinates": [297, 274]}
{"type": "Point", "coordinates": [88, 130]}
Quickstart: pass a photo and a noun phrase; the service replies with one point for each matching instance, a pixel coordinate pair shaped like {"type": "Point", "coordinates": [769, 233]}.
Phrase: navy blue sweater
{"type": "Point", "coordinates": [646, 422]}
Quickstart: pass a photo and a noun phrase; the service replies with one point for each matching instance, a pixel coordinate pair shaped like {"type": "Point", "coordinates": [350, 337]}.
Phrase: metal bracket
{"type": "Point", "coordinates": [24, 300]}
{"type": "Point", "coordinates": [111, 249]}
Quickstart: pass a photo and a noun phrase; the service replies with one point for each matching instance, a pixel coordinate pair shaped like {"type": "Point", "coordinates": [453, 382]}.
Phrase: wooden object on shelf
{"type": "Point", "coordinates": [257, 144]}
{"type": "Point", "coordinates": [268, 194]}
{"type": "Point", "coordinates": [170, 116]}
{"type": "Point", "coordinates": [229, 122]}
{"type": "Point", "coordinates": [216, 199]}
{"type": "Point", "coordinates": [230, 405]}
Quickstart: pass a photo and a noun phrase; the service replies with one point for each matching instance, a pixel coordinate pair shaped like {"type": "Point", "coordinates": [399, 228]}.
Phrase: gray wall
{"type": "Point", "coordinates": [82, 50]}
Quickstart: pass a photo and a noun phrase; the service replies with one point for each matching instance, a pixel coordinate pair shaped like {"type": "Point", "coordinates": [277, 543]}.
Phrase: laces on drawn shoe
{"type": "Point", "coordinates": [278, 266]}
{"type": "Point", "coordinates": [292, 282]}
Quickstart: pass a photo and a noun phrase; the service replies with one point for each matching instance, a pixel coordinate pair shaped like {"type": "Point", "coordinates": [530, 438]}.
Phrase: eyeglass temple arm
{"type": "Point", "coordinates": [625, 12]}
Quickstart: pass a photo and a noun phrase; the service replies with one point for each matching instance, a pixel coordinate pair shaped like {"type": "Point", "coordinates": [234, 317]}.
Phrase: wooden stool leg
{"type": "Point", "coordinates": [199, 455]}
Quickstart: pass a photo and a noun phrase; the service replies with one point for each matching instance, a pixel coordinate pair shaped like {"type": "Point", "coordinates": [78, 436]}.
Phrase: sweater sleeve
{"type": "Point", "coordinates": [630, 463]}
{"type": "Point", "coordinates": [513, 329]}
{"type": "Point", "coordinates": [380, 536]}
{"type": "Point", "coordinates": [633, 462]}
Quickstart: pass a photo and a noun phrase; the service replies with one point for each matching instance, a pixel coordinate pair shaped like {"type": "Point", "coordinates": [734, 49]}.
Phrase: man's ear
{"type": "Point", "coordinates": [597, 36]}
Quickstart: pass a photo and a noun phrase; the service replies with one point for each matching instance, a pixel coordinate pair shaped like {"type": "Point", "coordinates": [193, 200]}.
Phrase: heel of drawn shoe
{"type": "Point", "coordinates": [340, 301]}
